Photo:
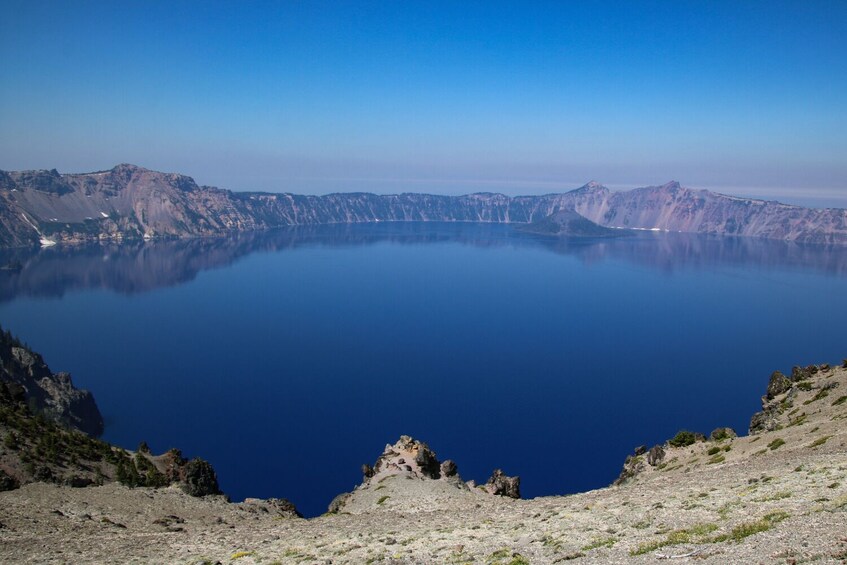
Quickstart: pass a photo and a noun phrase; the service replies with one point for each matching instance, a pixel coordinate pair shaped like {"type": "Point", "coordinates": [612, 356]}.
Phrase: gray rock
{"type": "Point", "coordinates": [273, 506]}
{"type": "Point", "coordinates": [449, 468]}
{"type": "Point", "coordinates": [338, 503]}
{"type": "Point", "coordinates": [764, 421]}
{"type": "Point", "coordinates": [722, 433]}
{"type": "Point", "coordinates": [655, 455]}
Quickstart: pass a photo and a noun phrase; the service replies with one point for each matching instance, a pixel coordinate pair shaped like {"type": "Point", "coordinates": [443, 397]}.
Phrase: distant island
{"type": "Point", "coordinates": [132, 203]}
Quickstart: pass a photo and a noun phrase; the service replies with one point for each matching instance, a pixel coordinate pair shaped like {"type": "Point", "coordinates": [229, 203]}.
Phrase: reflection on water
{"type": "Point", "coordinates": [142, 266]}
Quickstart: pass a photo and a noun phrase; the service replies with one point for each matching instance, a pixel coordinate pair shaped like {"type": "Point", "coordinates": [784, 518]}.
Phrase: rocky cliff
{"type": "Point", "coordinates": [50, 394]}
{"type": "Point", "coordinates": [130, 202]}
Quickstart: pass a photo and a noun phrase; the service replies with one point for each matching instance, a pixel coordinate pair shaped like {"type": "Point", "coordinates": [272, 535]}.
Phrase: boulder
{"type": "Point", "coordinates": [799, 374]}
{"type": "Point", "coordinates": [764, 421]}
{"type": "Point", "coordinates": [641, 450]}
{"type": "Point", "coordinates": [200, 478]}
{"type": "Point", "coordinates": [719, 434]}
{"type": "Point", "coordinates": [778, 384]}
{"type": "Point", "coordinates": [426, 460]}
{"type": "Point", "coordinates": [503, 485]}
{"type": "Point", "coordinates": [655, 455]}
{"type": "Point", "coordinates": [274, 506]}
{"type": "Point", "coordinates": [449, 468]}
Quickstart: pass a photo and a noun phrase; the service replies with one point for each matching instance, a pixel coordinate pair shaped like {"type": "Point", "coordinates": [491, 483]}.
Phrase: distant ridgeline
{"type": "Point", "coordinates": [129, 202]}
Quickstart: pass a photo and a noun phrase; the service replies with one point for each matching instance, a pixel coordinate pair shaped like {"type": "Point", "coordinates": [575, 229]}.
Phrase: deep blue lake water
{"type": "Point", "coordinates": [290, 358]}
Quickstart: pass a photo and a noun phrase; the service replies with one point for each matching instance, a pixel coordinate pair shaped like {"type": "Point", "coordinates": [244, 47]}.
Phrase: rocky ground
{"type": "Point", "coordinates": [778, 495]}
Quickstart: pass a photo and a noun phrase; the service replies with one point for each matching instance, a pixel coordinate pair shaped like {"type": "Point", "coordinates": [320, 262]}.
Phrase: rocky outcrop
{"type": "Point", "coordinates": [777, 385]}
{"type": "Point", "coordinates": [410, 469]}
{"type": "Point", "coordinates": [52, 394]}
{"type": "Point", "coordinates": [200, 478]}
{"type": "Point", "coordinates": [782, 392]}
{"type": "Point", "coordinates": [502, 485]}
{"type": "Point", "coordinates": [719, 434]}
{"type": "Point", "coordinates": [655, 455]}
{"type": "Point", "coordinates": [276, 507]}
{"type": "Point", "coordinates": [130, 202]}
{"type": "Point", "coordinates": [413, 457]}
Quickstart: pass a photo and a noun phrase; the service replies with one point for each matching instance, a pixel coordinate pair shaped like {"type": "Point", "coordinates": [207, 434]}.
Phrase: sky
{"type": "Point", "coordinates": [742, 97]}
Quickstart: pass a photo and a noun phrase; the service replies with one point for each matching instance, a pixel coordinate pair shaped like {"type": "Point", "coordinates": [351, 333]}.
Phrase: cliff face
{"type": "Point", "coordinates": [130, 202]}
{"type": "Point", "coordinates": [52, 394]}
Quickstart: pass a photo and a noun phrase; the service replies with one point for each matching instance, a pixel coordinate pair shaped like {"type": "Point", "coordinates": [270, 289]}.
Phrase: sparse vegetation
{"type": "Point", "coordinates": [822, 393]}
{"type": "Point", "coordinates": [683, 438]}
{"type": "Point", "coordinates": [747, 529]}
{"type": "Point", "coordinates": [776, 444]}
{"type": "Point", "coordinates": [699, 533]}
{"type": "Point", "coordinates": [382, 499]}
{"type": "Point", "coordinates": [820, 441]}
{"type": "Point", "coordinates": [600, 542]}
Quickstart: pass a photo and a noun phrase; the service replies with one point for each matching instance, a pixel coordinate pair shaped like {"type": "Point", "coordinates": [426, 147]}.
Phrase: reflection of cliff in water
{"type": "Point", "coordinates": [139, 267]}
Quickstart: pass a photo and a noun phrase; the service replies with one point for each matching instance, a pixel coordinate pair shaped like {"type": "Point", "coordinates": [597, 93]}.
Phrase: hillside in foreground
{"type": "Point", "coordinates": [776, 495]}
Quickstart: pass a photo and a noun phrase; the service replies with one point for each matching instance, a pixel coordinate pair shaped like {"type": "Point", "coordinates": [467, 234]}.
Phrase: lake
{"type": "Point", "coordinates": [289, 358]}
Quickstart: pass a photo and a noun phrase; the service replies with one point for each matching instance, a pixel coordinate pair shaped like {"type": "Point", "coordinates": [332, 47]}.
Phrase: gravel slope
{"type": "Point", "coordinates": [761, 501]}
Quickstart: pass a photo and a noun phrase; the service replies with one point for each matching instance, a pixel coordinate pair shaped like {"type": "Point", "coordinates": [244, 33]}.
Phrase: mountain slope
{"type": "Point", "coordinates": [129, 202]}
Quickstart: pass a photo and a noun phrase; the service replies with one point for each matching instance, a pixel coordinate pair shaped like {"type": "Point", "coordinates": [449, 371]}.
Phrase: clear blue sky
{"type": "Point", "coordinates": [744, 97]}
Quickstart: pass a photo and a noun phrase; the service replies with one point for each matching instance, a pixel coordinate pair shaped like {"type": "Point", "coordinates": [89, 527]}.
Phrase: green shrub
{"type": "Point", "coordinates": [682, 438]}
{"type": "Point", "coordinates": [820, 441]}
{"type": "Point", "coordinates": [776, 444]}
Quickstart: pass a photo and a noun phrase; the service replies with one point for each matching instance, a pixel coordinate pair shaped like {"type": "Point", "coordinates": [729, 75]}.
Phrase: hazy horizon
{"type": "Point", "coordinates": [333, 97]}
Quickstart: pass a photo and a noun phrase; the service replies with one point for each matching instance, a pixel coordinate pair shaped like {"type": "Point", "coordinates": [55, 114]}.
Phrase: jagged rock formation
{"type": "Point", "coordinates": [783, 393]}
{"type": "Point", "coordinates": [129, 202]}
{"type": "Point", "coordinates": [503, 485]}
{"type": "Point", "coordinates": [387, 482]}
{"type": "Point", "coordinates": [52, 394]}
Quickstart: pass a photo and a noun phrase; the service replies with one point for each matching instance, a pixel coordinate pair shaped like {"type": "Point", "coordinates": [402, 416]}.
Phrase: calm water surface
{"type": "Point", "coordinates": [290, 358]}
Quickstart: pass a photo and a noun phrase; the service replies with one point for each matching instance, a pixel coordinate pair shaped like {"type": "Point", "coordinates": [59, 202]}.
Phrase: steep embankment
{"type": "Point", "coordinates": [129, 202]}
{"type": "Point", "coordinates": [49, 428]}
{"type": "Point", "coordinates": [778, 495]}
{"type": "Point", "coordinates": [51, 394]}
